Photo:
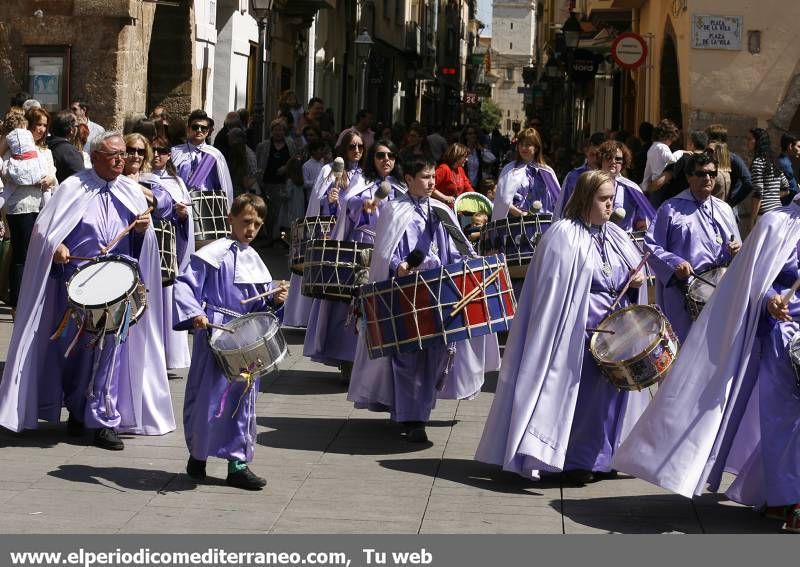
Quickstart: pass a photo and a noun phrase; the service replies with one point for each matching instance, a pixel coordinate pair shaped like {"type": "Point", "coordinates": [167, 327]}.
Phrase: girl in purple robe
{"type": "Point", "coordinates": [526, 184]}
{"type": "Point", "coordinates": [554, 410]}
{"type": "Point", "coordinates": [331, 338]}
{"type": "Point", "coordinates": [218, 415]}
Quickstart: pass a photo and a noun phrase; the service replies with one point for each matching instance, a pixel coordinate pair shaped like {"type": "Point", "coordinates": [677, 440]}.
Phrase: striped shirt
{"type": "Point", "coordinates": [767, 185]}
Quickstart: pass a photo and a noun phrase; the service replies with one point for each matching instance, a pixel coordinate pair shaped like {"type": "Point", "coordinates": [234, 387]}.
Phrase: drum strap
{"type": "Point", "coordinates": [222, 310]}
{"type": "Point", "coordinates": [461, 242]}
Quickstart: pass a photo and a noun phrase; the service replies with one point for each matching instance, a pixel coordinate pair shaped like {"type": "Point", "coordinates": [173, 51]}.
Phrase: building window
{"type": "Point", "coordinates": [512, 25]}
{"type": "Point", "coordinates": [510, 74]}
{"type": "Point", "coordinates": [510, 45]}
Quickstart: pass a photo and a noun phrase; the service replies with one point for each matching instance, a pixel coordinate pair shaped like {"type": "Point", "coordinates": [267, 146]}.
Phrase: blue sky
{"type": "Point", "coordinates": [485, 15]}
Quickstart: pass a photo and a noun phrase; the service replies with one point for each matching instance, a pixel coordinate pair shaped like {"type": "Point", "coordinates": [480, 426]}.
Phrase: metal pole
{"type": "Point", "coordinates": [265, 89]}
{"type": "Point", "coordinates": [258, 103]}
{"type": "Point", "coordinates": [363, 91]}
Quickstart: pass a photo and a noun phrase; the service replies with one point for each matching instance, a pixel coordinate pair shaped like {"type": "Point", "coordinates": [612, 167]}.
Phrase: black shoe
{"type": "Point", "coordinates": [107, 438]}
{"type": "Point", "coordinates": [579, 476]}
{"type": "Point", "coordinates": [74, 427]}
{"type": "Point", "coordinates": [415, 432]}
{"type": "Point", "coordinates": [196, 468]}
{"type": "Point", "coordinates": [605, 475]}
{"type": "Point", "coordinates": [245, 479]}
{"type": "Point", "coordinates": [345, 370]}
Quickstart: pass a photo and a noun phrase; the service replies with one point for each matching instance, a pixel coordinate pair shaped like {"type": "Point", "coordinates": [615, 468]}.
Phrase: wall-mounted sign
{"type": "Point", "coordinates": [629, 50]}
{"type": "Point", "coordinates": [717, 32]}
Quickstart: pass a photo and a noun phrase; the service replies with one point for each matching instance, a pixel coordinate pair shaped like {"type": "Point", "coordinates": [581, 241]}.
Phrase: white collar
{"type": "Point", "coordinates": [249, 269]}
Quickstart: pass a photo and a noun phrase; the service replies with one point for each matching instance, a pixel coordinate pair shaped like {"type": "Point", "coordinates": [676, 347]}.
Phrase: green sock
{"type": "Point", "coordinates": [235, 465]}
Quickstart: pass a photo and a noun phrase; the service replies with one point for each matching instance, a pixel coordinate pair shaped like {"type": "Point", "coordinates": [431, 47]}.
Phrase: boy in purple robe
{"type": "Point", "coordinates": [408, 384]}
{"type": "Point", "coordinates": [218, 415]}
{"type": "Point", "coordinates": [692, 233]}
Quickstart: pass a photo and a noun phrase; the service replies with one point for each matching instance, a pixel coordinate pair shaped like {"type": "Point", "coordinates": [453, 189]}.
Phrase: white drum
{"type": "Point", "coordinates": [106, 291]}
{"type": "Point", "coordinates": [254, 348]}
{"type": "Point", "coordinates": [699, 292]}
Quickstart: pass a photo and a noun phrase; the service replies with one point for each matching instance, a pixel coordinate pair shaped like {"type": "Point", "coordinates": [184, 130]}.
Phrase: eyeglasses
{"type": "Point", "coordinates": [356, 146]}
{"type": "Point", "coordinates": [616, 159]}
{"type": "Point", "coordinates": [711, 174]}
{"type": "Point", "coordinates": [384, 155]}
{"type": "Point", "coordinates": [162, 151]}
{"type": "Point", "coordinates": [199, 127]}
{"type": "Point", "coordinates": [135, 151]}
{"type": "Point", "coordinates": [113, 155]}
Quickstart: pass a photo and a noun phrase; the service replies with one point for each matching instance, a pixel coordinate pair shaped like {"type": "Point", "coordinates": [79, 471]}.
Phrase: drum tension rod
{"type": "Point", "coordinates": [610, 332]}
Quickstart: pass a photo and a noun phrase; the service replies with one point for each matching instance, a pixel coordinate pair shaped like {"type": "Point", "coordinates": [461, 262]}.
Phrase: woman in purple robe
{"type": "Point", "coordinates": [554, 411]}
{"type": "Point", "coordinates": [632, 210]}
{"type": "Point", "coordinates": [331, 337]}
{"type": "Point", "coordinates": [218, 415]}
{"type": "Point", "coordinates": [692, 233]}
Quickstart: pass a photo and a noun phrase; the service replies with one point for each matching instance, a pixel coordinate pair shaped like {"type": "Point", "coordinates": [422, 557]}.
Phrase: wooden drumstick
{"type": "Point", "coordinates": [220, 327]}
{"type": "Point", "coordinates": [705, 281]}
{"type": "Point", "coordinates": [282, 287]}
{"type": "Point", "coordinates": [789, 294]}
{"type": "Point", "coordinates": [458, 307]}
{"type": "Point", "coordinates": [121, 235]}
{"type": "Point", "coordinates": [81, 258]}
{"type": "Point", "coordinates": [628, 283]}
{"type": "Point", "coordinates": [601, 331]}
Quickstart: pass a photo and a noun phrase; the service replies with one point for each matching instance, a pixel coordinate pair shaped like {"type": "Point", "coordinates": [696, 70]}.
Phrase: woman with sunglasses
{"type": "Point", "coordinates": [164, 180]}
{"type": "Point", "coordinates": [632, 210]}
{"type": "Point", "coordinates": [526, 181]}
{"type": "Point", "coordinates": [330, 339]}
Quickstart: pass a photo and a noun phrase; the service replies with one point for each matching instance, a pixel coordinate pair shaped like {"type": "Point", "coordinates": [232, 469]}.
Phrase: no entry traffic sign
{"type": "Point", "coordinates": [629, 50]}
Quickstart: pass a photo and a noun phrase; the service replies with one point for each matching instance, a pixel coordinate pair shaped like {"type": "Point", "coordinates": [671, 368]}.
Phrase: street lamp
{"type": "Point", "coordinates": [261, 10]}
{"type": "Point", "coordinates": [572, 31]}
{"type": "Point", "coordinates": [363, 47]}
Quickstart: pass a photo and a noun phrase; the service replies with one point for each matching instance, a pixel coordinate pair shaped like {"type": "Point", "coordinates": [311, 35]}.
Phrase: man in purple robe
{"type": "Point", "coordinates": [731, 403]}
{"type": "Point", "coordinates": [202, 166]}
{"type": "Point", "coordinates": [107, 383]}
{"type": "Point", "coordinates": [219, 415]}
{"type": "Point", "coordinates": [693, 233]}
{"type": "Point", "coordinates": [408, 384]}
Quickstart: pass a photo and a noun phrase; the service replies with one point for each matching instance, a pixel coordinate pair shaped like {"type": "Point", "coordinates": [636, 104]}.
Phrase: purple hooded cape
{"type": "Point", "coordinates": [512, 178]}
{"type": "Point", "coordinates": [30, 389]}
{"type": "Point", "coordinates": [697, 426]}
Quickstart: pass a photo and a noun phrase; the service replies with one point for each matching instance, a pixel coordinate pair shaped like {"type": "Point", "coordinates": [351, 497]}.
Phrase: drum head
{"type": "Point", "coordinates": [635, 329]}
{"type": "Point", "coordinates": [700, 291]}
{"type": "Point", "coordinates": [247, 330]}
{"type": "Point", "coordinates": [471, 202]}
{"type": "Point", "coordinates": [100, 283]}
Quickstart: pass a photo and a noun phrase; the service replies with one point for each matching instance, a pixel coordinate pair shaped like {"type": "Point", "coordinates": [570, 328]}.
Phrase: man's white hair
{"type": "Point", "coordinates": [100, 140]}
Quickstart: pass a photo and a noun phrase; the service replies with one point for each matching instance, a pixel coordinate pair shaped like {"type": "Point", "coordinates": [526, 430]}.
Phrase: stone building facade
{"type": "Point", "coordinates": [513, 41]}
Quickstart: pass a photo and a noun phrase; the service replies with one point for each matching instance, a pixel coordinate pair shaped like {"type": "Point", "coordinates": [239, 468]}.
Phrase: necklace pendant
{"type": "Point", "coordinates": [719, 239]}
{"type": "Point", "coordinates": [434, 249]}
{"type": "Point", "coordinates": [607, 268]}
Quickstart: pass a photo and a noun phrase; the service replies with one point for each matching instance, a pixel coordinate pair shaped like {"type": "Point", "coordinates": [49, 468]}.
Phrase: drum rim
{"type": "Point", "coordinates": [724, 270]}
{"type": "Point", "coordinates": [238, 321]}
{"type": "Point", "coordinates": [646, 352]}
{"type": "Point", "coordinates": [102, 259]}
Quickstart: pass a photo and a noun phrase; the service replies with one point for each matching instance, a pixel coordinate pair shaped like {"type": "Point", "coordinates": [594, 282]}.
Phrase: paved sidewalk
{"type": "Point", "coordinates": [331, 469]}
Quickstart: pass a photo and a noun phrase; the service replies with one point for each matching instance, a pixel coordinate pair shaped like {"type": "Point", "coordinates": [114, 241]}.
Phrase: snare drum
{"type": "Point", "coordinates": [105, 292]}
{"type": "Point", "coordinates": [516, 237]}
{"type": "Point", "coordinates": [253, 350]}
{"type": "Point", "coordinates": [794, 356]}
{"type": "Point", "coordinates": [641, 349]}
{"type": "Point", "coordinates": [165, 236]}
{"type": "Point", "coordinates": [409, 313]}
{"type": "Point", "coordinates": [334, 269]}
{"type": "Point", "coordinates": [699, 292]}
{"type": "Point", "coordinates": [304, 231]}
{"type": "Point", "coordinates": [210, 215]}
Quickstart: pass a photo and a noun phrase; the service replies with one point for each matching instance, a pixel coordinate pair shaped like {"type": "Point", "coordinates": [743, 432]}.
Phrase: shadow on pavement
{"type": "Point", "coordinates": [147, 480]}
{"type": "Point", "coordinates": [338, 435]}
{"type": "Point", "coordinates": [303, 382]}
{"type": "Point", "coordinates": [48, 435]}
{"type": "Point", "coordinates": [659, 513]}
{"type": "Point", "coordinates": [472, 473]}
